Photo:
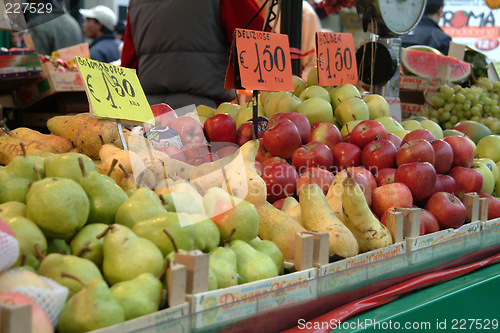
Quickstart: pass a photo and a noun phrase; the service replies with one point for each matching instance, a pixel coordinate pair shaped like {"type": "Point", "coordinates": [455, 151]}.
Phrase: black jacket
{"type": "Point", "coordinates": [427, 32]}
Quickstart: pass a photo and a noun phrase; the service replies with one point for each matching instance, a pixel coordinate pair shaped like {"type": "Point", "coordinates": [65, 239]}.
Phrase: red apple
{"type": "Point", "coordinates": [365, 172]}
{"type": "Point", "coordinates": [163, 114]}
{"type": "Point", "coordinates": [279, 203]}
{"type": "Point", "coordinates": [385, 176]}
{"type": "Point", "coordinates": [420, 177]}
{"type": "Point", "coordinates": [262, 153]}
{"type": "Point", "coordinates": [367, 131]}
{"type": "Point", "coordinates": [226, 151]}
{"type": "Point", "coordinates": [463, 152]}
{"type": "Point", "coordinates": [192, 150]}
{"type": "Point", "coordinates": [443, 156]}
{"type": "Point", "coordinates": [221, 128]}
{"type": "Point", "coordinates": [418, 150]}
{"type": "Point", "coordinates": [445, 183]}
{"type": "Point", "coordinates": [312, 154]}
{"type": "Point", "coordinates": [282, 138]}
{"type": "Point", "coordinates": [467, 179]}
{"type": "Point", "coordinates": [386, 196]}
{"type": "Point", "coordinates": [244, 133]}
{"type": "Point", "coordinates": [301, 122]}
{"type": "Point", "coordinates": [379, 154]}
{"type": "Point", "coordinates": [493, 205]}
{"type": "Point", "coordinates": [189, 129]}
{"type": "Point", "coordinates": [322, 177]}
{"type": "Point", "coordinates": [419, 134]}
{"type": "Point", "coordinates": [325, 132]}
{"type": "Point", "coordinates": [448, 210]}
{"type": "Point", "coordinates": [281, 181]}
{"type": "Point", "coordinates": [258, 168]}
{"type": "Point", "coordinates": [272, 160]}
{"type": "Point", "coordinates": [199, 160]}
{"type": "Point", "coordinates": [174, 152]}
{"type": "Point", "coordinates": [428, 222]}
{"type": "Point", "coordinates": [396, 140]}
{"type": "Point", "coordinates": [345, 154]}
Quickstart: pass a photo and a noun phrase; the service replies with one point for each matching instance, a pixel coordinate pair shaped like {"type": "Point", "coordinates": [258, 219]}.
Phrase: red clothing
{"type": "Point", "coordinates": [233, 14]}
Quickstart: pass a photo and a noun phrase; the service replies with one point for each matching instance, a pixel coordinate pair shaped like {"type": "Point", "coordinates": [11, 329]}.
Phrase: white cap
{"type": "Point", "coordinates": [102, 14]}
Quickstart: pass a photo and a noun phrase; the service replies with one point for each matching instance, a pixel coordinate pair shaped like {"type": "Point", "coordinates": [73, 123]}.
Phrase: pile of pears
{"type": "Point", "coordinates": [110, 246]}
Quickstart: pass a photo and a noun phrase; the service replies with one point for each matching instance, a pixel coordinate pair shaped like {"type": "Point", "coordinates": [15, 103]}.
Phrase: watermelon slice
{"type": "Point", "coordinates": [426, 64]}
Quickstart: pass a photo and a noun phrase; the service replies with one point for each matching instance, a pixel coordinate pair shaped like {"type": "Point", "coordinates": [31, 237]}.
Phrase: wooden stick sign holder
{"type": "Point", "coordinates": [186, 276]}
{"type": "Point", "coordinates": [15, 318]}
{"type": "Point", "coordinates": [311, 248]}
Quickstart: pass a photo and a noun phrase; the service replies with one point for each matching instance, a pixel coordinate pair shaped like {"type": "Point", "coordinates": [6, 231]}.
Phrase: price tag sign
{"type": "Point", "coordinates": [336, 59]}
{"type": "Point", "coordinates": [260, 61]}
{"type": "Point", "coordinates": [114, 92]}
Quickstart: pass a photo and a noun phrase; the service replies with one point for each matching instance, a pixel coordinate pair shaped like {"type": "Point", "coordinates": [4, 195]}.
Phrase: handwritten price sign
{"type": "Point", "coordinates": [336, 59]}
{"type": "Point", "coordinates": [114, 92]}
{"type": "Point", "coordinates": [261, 61]}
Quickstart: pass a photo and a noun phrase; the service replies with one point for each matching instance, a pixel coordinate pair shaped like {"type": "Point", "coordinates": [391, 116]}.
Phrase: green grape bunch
{"type": "Point", "coordinates": [479, 102]}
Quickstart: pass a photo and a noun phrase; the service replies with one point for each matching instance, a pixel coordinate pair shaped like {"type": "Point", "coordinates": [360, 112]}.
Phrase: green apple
{"type": "Point", "coordinates": [316, 109]}
{"type": "Point", "coordinates": [352, 108]}
{"type": "Point", "coordinates": [315, 91]}
{"type": "Point", "coordinates": [390, 124]}
{"type": "Point", "coordinates": [340, 93]}
{"type": "Point", "coordinates": [377, 105]}
{"type": "Point", "coordinates": [489, 147]}
{"type": "Point", "coordinates": [347, 128]}
{"type": "Point", "coordinates": [432, 127]}
{"type": "Point", "coordinates": [280, 101]}
{"type": "Point", "coordinates": [263, 95]}
{"type": "Point", "coordinates": [491, 165]}
{"type": "Point", "coordinates": [205, 111]}
{"type": "Point", "coordinates": [247, 113]}
{"type": "Point", "coordinates": [411, 124]}
{"type": "Point", "coordinates": [312, 77]}
{"type": "Point", "coordinates": [488, 178]}
{"type": "Point", "coordinates": [401, 134]}
{"type": "Point", "coordinates": [298, 85]}
{"type": "Point", "coordinates": [229, 108]}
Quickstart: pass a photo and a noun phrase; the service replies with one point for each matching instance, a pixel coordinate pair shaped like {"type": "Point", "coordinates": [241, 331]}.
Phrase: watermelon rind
{"type": "Point", "coordinates": [425, 48]}
{"type": "Point", "coordinates": [426, 65]}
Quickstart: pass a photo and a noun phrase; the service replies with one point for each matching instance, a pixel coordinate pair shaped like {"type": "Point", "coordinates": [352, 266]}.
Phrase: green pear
{"type": "Point", "coordinates": [229, 212]}
{"type": "Point", "coordinates": [105, 196]}
{"type": "Point", "coordinates": [252, 265]}
{"type": "Point", "coordinates": [13, 187]}
{"type": "Point", "coordinates": [206, 233]}
{"type": "Point", "coordinates": [56, 245]}
{"type": "Point", "coordinates": [87, 245]}
{"type": "Point", "coordinates": [38, 161]}
{"type": "Point", "coordinates": [91, 308]}
{"type": "Point", "coordinates": [22, 167]}
{"type": "Point", "coordinates": [55, 263]}
{"type": "Point", "coordinates": [28, 235]}
{"type": "Point", "coordinates": [222, 261]}
{"type": "Point", "coordinates": [143, 204]}
{"type": "Point", "coordinates": [212, 280]}
{"type": "Point", "coordinates": [181, 202]}
{"type": "Point", "coordinates": [59, 206]}
{"type": "Point", "coordinates": [12, 209]}
{"type": "Point", "coordinates": [66, 165]}
{"type": "Point", "coordinates": [140, 296]}
{"type": "Point", "coordinates": [272, 250]}
{"type": "Point", "coordinates": [178, 225]}
{"type": "Point", "coordinates": [126, 255]}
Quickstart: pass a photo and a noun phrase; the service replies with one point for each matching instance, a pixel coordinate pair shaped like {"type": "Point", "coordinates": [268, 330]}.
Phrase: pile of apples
{"type": "Point", "coordinates": [322, 130]}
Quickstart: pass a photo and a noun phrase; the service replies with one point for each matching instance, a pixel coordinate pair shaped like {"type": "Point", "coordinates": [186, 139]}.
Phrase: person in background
{"type": "Point", "coordinates": [427, 32]}
{"type": "Point", "coordinates": [120, 30]}
{"type": "Point", "coordinates": [310, 25]}
{"type": "Point", "coordinates": [181, 48]}
{"type": "Point", "coordinates": [99, 25]}
{"type": "Point", "coordinates": [54, 30]}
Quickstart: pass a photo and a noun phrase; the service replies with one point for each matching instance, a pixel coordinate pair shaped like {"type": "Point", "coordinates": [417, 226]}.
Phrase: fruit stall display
{"type": "Point", "coordinates": [214, 222]}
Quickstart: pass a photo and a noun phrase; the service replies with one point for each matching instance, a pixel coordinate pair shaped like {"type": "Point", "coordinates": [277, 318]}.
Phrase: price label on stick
{"type": "Point", "coordinates": [336, 59]}
{"type": "Point", "coordinates": [260, 61]}
{"type": "Point", "coordinates": [114, 92]}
